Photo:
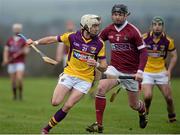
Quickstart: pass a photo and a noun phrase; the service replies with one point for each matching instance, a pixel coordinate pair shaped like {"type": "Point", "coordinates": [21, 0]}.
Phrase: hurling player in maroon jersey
{"type": "Point", "coordinates": [14, 56]}
{"type": "Point", "coordinates": [128, 58]}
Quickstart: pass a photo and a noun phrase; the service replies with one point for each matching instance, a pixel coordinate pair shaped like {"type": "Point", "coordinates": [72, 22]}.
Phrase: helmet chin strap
{"type": "Point", "coordinates": [86, 29]}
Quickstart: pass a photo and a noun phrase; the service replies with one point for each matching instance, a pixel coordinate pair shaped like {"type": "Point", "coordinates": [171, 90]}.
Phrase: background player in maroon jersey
{"type": "Point", "coordinates": [14, 55]}
{"type": "Point", "coordinates": [128, 57]}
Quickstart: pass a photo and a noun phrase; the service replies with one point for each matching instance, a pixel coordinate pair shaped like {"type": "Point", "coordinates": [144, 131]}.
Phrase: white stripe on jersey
{"type": "Point", "coordinates": [136, 29]}
{"type": "Point", "coordinates": [119, 29]}
{"type": "Point", "coordinates": [141, 47]}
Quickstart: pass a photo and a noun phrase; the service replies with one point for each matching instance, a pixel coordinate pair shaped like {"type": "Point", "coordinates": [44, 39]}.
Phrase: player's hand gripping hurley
{"type": "Point", "coordinates": [43, 56]}
{"type": "Point", "coordinates": [114, 94]}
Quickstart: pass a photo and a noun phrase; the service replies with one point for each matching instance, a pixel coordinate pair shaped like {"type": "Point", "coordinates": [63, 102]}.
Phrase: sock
{"type": "Point", "coordinates": [100, 107]}
{"type": "Point", "coordinates": [59, 116]}
{"type": "Point", "coordinates": [147, 104]}
{"type": "Point", "coordinates": [20, 91]}
{"type": "Point", "coordinates": [172, 117]}
{"type": "Point", "coordinates": [141, 108]}
{"type": "Point", "coordinates": [14, 92]}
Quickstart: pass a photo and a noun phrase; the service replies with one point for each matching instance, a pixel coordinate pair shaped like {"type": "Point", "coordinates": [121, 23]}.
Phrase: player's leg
{"type": "Point", "coordinates": [148, 95]}
{"type": "Point", "coordinates": [59, 93]}
{"type": "Point", "coordinates": [19, 77]}
{"type": "Point", "coordinates": [163, 84]}
{"type": "Point", "coordinates": [104, 86]}
{"type": "Point", "coordinates": [139, 106]}
{"type": "Point", "coordinates": [13, 84]}
{"type": "Point", "coordinates": [12, 73]}
{"type": "Point", "coordinates": [147, 87]}
{"type": "Point", "coordinates": [80, 88]}
{"type": "Point", "coordinates": [167, 93]}
{"type": "Point", "coordinates": [73, 98]}
{"type": "Point", "coordinates": [132, 87]}
{"type": "Point", "coordinates": [58, 96]}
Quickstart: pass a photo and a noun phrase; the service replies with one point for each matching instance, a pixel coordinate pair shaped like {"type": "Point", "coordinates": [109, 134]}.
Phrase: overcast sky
{"type": "Point", "coordinates": [44, 10]}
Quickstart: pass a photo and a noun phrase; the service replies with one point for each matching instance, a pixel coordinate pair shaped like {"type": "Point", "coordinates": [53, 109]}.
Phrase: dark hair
{"type": "Point", "coordinates": [120, 8]}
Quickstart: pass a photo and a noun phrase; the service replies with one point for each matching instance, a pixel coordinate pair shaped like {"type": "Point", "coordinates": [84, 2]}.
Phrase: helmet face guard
{"type": "Point", "coordinates": [120, 8]}
{"type": "Point", "coordinates": [87, 21]}
{"type": "Point", "coordinates": [158, 19]}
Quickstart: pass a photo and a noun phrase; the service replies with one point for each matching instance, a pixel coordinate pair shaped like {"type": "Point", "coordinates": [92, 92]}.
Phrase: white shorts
{"type": "Point", "coordinates": [12, 68]}
{"type": "Point", "coordinates": [128, 84]}
{"type": "Point", "coordinates": [74, 82]}
{"type": "Point", "coordinates": [155, 78]}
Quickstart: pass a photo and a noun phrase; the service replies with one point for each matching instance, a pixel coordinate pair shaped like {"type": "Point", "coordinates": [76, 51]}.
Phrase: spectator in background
{"type": "Point", "coordinates": [14, 54]}
{"type": "Point", "coordinates": [62, 50]}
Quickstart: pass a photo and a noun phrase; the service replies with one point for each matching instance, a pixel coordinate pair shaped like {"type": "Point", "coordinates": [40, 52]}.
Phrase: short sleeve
{"type": "Point", "coordinates": [171, 45]}
{"type": "Point", "coordinates": [102, 52]}
{"type": "Point", "coordinates": [65, 38]}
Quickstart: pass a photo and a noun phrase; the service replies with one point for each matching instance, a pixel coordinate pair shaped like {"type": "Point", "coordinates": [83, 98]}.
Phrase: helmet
{"type": "Point", "coordinates": [88, 20]}
{"type": "Point", "coordinates": [158, 19]}
{"type": "Point", "coordinates": [120, 8]}
{"type": "Point", "coordinates": [17, 28]}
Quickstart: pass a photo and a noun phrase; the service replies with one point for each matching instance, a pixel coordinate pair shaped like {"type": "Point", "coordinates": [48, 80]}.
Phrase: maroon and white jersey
{"type": "Point", "coordinates": [126, 42]}
{"type": "Point", "coordinates": [15, 44]}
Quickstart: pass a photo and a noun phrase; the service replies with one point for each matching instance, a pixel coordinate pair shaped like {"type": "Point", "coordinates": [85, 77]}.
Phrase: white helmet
{"type": "Point", "coordinates": [88, 20]}
{"type": "Point", "coordinates": [17, 28]}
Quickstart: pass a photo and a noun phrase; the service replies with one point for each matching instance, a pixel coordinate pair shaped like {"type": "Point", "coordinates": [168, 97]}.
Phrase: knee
{"type": "Point", "coordinates": [169, 100]}
{"type": "Point", "coordinates": [54, 102]}
{"type": "Point", "coordinates": [101, 90]}
{"type": "Point", "coordinates": [133, 105]}
{"type": "Point", "coordinates": [67, 106]}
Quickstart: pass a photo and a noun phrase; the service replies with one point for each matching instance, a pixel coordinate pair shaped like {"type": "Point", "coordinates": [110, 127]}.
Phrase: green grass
{"type": "Point", "coordinates": [30, 115]}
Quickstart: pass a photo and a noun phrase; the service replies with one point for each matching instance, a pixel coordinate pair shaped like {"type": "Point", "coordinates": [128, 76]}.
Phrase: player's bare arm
{"type": "Point", "coordinates": [101, 65]}
{"type": "Point", "coordinates": [43, 41]}
{"type": "Point", "coordinates": [24, 50]}
{"type": "Point", "coordinates": [172, 62]}
{"type": "Point", "coordinates": [5, 56]}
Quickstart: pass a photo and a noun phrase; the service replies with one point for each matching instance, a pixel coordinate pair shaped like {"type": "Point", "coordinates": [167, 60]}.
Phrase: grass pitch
{"type": "Point", "coordinates": [31, 114]}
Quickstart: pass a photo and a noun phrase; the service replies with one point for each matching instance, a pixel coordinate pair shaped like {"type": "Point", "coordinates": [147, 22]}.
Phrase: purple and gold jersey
{"type": "Point", "coordinates": [81, 50]}
{"type": "Point", "coordinates": [157, 52]}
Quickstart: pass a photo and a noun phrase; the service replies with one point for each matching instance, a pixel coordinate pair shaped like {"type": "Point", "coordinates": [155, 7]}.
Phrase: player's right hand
{"type": "Point", "coordinates": [29, 42]}
{"type": "Point", "coordinates": [139, 76]}
{"type": "Point", "coordinates": [4, 63]}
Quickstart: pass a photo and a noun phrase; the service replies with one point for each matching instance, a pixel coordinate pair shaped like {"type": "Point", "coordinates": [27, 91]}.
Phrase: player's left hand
{"type": "Point", "coordinates": [5, 62]}
{"type": "Point", "coordinates": [139, 76]}
{"type": "Point", "coordinates": [14, 55]}
{"type": "Point", "coordinates": [92, 62]}
{"type": "Point", "coordinates": [168, 73]}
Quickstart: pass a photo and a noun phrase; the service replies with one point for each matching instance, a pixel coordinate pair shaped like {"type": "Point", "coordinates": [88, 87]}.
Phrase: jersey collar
{"type": "Point", "coordinates": [120, 28]}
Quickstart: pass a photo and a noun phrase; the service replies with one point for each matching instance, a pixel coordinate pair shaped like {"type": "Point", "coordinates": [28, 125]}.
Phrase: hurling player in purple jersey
{"type": "Point", "coordinates": [128, 58]}
{"type": "Point", "coordinates": [86, 53]}
{"type": "Point", "coordinates": [159, 45]}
